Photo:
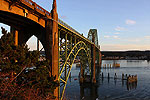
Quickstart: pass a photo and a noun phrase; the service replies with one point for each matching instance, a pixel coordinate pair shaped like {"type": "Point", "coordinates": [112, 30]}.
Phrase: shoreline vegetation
{"type": "Point", "coordinates": [126, 55]}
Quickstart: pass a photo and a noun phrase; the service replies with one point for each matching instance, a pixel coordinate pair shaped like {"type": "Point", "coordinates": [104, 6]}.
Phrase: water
{"type": "Point", "coordinates": [113, 89]}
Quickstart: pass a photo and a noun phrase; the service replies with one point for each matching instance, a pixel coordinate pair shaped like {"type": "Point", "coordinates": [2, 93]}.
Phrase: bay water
{"type": "Point", "coordinates": [111, 89]}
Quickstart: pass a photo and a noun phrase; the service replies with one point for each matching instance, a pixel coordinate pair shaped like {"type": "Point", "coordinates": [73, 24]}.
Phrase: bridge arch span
{"type": "Point", "coordinates": [17, 21]}
{"type": "Point", "coordinates": [24, 9]}
{"type": "Point", "coordinates": [79, 48]}
{"type": "Point", "coordinates": [25, 27]}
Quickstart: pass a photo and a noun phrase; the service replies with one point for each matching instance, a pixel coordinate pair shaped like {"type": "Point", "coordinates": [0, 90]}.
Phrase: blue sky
{"type": "Point", "coordinates": [121, 24]}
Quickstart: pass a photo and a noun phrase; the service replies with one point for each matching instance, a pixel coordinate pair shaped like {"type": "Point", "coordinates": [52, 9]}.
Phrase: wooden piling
{"type": "Point", "coordinates": [108, 76]}
{"type": "Point", "coordinates": [115, 77]}
{"type": "Point", "coordinates": [102, 75]}
{"type": "Point", "coordinates": [123, 76]}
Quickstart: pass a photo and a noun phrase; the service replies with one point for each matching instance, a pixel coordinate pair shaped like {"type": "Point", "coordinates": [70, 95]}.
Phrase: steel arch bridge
{"type": "Point", "coordinates": [69, 48]}
{"type": "Point", "coordinates": [61, 42]}
{"type": "Point", "coordinates": [65, 68]}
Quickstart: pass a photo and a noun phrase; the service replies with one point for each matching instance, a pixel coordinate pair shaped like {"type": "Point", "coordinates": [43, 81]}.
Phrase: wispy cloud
{"type": "Point", "coordinates": [135, 40]}
{"type": "Point", "coordinates": [147, 37]}
{"type": "Point", "coordinates": [112, 37]}
{"type": "Point", "coordinates": [118, 28]}
{"type": "Point", "coordinates": [107, 32]}
{"type": "Point", "coordinates": [116, 37]}
{"type": "Point", "coordinates": [119, 47]}
{"type": "Point", "coordinates": [117, 33]}
{"type": "Point", "coordinates": [130, 22]}
{"type": "Point", "coordinates": [106, 36]}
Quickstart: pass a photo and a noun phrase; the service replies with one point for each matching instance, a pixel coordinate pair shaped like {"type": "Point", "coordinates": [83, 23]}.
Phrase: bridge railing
{"type": "Point", "coordinates": [29, 1]}
{"type": "Point", "coordinates": [66, 25]}
{"type": "Point", "coordinates": [36, 6]}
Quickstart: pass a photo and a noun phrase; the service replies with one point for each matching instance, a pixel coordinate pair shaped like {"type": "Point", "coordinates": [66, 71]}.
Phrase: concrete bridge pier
{"type": "Point", "coordinates": [81, 73]}
{"type": "Point", "coordinates": [52, 49]}
{"type": "Point", "coordinates": [21, 35]}
{"type": "Point", "coordinates": [93, 55]}
{"type": "Point", "coordinates": [15, 34]}
{"type": "Point", "coordinates": [93, 64]}
{"type": "Point", "coordinates": [100, 59]}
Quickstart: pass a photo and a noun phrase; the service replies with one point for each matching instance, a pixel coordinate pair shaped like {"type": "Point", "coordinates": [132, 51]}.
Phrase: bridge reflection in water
{"type": "Point", "coordinates": [90, 91]}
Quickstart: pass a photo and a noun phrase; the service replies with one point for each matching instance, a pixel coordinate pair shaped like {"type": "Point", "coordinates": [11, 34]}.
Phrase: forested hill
{"type": "Point", "coordinates": [126, 54]}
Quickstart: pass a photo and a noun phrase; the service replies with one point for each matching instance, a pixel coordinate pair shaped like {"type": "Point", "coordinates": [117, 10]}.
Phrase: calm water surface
{"type": "Point", "coordinates": [113, 89]}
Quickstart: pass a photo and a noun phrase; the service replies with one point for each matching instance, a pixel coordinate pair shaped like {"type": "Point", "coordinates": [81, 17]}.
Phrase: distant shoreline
{"type": "Point", "coordinates": [125, 55]}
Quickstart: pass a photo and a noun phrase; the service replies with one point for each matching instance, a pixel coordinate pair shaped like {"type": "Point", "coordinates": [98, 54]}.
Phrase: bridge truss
{"type": "Point", "coordinates": [71, 46]}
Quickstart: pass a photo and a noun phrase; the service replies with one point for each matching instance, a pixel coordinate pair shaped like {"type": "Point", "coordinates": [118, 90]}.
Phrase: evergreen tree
{"type": "Point", "coordinates": [21, 72]}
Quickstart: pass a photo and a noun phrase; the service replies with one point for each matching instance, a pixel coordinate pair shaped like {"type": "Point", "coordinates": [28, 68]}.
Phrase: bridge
{"type": "Point", "coordinates": [61, 42]}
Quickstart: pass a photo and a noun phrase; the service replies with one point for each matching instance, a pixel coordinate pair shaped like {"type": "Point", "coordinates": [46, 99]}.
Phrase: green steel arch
{"type": "Point", "coordinates": [93, 34]}
{"type": "Point", "coordinates": [74, 52]}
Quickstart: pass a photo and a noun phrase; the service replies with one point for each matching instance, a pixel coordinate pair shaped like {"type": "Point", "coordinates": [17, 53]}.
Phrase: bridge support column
{"type": "Point", "coordinates": [81, 73]}
{"type": "Point", "coordinates": [100, 59]}
{"type": "Point", "coordinates": [71, 49]}
{"type": "Point", "coordinates": [52, 45]}
{"type": "Point", "coordinates": [75, 41]}
{"type": "Point", "coordinates": [15, 34]}
{"type": "Point", "coordinates": [51, 49]}
{"type": "Point", "coordinates": [66, 38]}
{"type": "Point", "coordinates": [93, 64]}
{"type": "Point", "coordinates": [38, 45]}
{"type": "Point", "coordinates": [83, 63]}
{"type": "Point", "coordinates": [93, 51]}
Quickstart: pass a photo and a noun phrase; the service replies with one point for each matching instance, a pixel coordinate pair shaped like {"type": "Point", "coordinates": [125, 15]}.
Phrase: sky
{"type": "Point", "coordinates": [121, 24]}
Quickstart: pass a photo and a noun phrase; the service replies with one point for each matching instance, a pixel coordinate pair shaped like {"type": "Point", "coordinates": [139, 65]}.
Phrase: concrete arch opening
{"type": "Point", "coordinates": [35, 44]}
{"type": "Point", "coordinates": [4, 26]}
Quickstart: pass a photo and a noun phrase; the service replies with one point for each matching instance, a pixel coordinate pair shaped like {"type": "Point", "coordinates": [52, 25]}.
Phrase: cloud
{"type": "Point", "coordinates": [106, 36]}
{"type": "Point", "coordinates": [116, 37]}
{"type": "Point", "coordinates": [117, 33]}
{"type": "Point", "coordinates": [130, 22]}
{"type": "Point", "coordinates": [118, 28]}
{"type": "Point", "coordinates": [120, 47]}
{"type": "Point", "coordinates": [134, 40]}
{"type": "Point", "coordinates": [147, 37]}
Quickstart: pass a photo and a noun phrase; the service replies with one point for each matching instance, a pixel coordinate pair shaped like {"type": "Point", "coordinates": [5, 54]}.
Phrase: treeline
{"type": "Point", "coordinates": [143, 55]}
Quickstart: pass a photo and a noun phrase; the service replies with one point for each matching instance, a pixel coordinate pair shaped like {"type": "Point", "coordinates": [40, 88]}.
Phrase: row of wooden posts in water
{"type": "Point", "coordinates": [129, 78]}
{"type": "Point", "coordinates": [114, 65]}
